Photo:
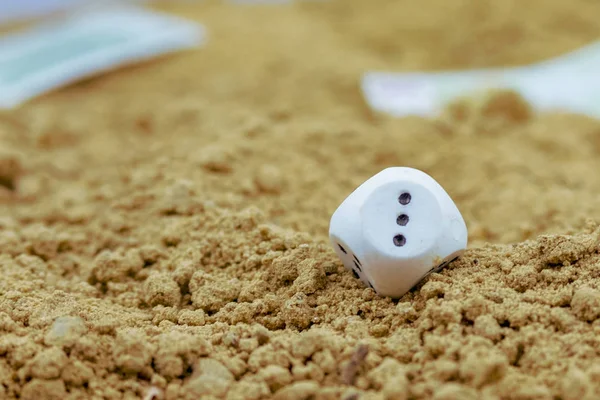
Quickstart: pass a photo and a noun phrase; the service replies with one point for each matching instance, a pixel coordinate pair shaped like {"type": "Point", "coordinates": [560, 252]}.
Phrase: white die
{"type": "Point", "coordinates": [396, 228]}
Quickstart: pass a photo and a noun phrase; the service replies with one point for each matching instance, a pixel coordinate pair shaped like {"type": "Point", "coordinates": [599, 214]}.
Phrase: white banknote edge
{"type": "Point", "coordinates": [569, 83]}
{"type": "Point", "coordinates": [150, 34]}
{"type": "Point", "coordinates": [12, 11]}
{"type": "Point", "coordinates": [557, 92]}
{"type": "Point", "coordinates": [17, 11]}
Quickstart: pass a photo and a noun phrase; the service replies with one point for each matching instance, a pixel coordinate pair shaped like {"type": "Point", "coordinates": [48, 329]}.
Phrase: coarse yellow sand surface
{"type": "Point", "coordinates": [163, 228]}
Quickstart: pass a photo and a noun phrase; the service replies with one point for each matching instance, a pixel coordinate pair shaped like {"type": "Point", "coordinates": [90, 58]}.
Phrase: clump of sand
{"type": "Point", "coordinates": [163, 229]}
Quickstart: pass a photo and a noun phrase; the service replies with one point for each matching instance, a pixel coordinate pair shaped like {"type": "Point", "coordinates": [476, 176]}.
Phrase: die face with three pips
{"type": "Point", "coordinates": [396, 228]}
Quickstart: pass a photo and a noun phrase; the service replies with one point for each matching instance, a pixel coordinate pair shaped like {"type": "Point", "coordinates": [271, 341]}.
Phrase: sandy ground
{"type": "Point", "coordinates": [163, 228]}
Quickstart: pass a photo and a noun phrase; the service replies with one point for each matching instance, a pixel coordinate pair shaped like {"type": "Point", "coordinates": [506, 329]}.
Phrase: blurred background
{"type": "Point", "coordinates": [275, 91]}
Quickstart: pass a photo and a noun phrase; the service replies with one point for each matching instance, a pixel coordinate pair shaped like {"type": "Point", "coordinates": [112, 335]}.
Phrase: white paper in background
{"type": "Point", "coordinates": [569, 83]}
{"type": "Point", "coordinates": [19, 10]}
{"type": "Point", "coordinates": [85, 44]}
